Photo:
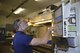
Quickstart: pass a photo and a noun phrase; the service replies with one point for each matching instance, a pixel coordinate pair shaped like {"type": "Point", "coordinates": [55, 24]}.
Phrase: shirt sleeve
{"type": "Point", "coordinates": [49, 42]}
{"type": "Point", "coordinates": [26, 39]}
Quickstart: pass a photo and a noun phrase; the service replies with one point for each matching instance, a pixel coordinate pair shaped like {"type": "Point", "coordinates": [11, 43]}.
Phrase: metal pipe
{"type": "Point", "coordinates": [17, 8]}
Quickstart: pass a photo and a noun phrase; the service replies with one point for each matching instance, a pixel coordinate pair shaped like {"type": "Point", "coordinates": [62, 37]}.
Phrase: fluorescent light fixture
{"type": "Point", "coordinates": [37, 0]}
{"type": "Point", "coordinates": [19, 10]}
{"type": "Point", "coordinates": [48, 28]}
{"type": "Point", "coordinates": [13, 35]}
{"type": "Point", "coordinates": [44, 9]}
{"type": "Point", "coordinates": [52, 31]}
{"type": "Point", "coordinates": [43, 22]}
{"type": "Point", "coordinates": [29, 23]}
{"type": "Point", "coordinates": [42, 19]}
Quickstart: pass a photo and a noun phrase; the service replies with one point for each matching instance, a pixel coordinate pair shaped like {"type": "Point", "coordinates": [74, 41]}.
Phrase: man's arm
{"type": "Point", "coordinates": [43, 40]}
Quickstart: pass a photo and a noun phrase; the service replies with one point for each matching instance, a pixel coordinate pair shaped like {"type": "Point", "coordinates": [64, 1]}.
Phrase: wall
{"type": "Point", "coordinates": [4, 21]}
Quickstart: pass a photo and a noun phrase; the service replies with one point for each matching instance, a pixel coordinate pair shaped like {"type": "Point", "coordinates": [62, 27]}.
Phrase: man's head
{"type": "Point", "coordinates": [20, 24]}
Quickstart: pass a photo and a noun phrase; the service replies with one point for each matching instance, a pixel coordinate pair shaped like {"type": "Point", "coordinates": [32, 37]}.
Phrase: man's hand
{"type": "Point", "coordinates": [51, 29]}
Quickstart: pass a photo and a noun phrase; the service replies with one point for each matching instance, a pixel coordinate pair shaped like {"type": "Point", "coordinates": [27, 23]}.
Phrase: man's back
{"type": "Point", "coordinates": [21, 43]}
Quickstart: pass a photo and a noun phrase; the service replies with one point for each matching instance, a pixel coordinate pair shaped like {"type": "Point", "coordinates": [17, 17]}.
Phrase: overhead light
{"type": "Point", "coordinates": [44, 9]}
{"type": "Point", "coordinates": [42, 19]}
{"type": "Point", "coordinates": [48, 28]}
{"type": "Point", "coordinates": [37, 23]}
{"type": "Point", "coordinates": [19, 10]}
{"type": "Point", "coordinates": [29, 23]}
{"type": "Point", "coordinates": [43, 22]}
{"type": "Point", "coordinates": [36, 0]}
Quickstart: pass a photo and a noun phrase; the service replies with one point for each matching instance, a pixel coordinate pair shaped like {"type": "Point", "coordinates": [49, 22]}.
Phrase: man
{"type": "Point", "coordinates": [22, 42]}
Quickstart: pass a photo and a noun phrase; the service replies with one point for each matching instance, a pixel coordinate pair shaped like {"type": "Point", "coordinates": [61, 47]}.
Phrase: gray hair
{"type": "Point", "coordinates": [17, 24]}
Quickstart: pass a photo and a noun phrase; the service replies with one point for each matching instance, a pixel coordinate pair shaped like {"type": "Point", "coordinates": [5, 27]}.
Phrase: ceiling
{"type": "Point", "coordinates": [6, 6]}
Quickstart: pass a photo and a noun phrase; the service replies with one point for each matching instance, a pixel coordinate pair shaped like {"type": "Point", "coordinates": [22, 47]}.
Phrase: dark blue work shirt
{"type": "Point", "coordinates": [21, 43]}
